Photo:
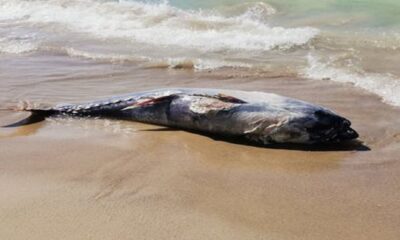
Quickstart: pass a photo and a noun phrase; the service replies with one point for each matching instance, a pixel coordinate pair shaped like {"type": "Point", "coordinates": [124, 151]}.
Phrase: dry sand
{"type": "Point", "coordinates": [100, 179]}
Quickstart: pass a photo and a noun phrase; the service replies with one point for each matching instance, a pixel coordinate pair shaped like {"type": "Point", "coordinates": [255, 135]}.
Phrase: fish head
{"type": "Point", "coordinates": [326, 126]}
{"type": "Point", "coordinates": [320, 126]}
{"type": "Point", "coordinates": [301, 126]}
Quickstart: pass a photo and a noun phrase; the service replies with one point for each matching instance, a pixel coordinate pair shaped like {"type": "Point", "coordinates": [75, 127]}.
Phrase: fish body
{"type": "Point", "coordinates": [256, 116]}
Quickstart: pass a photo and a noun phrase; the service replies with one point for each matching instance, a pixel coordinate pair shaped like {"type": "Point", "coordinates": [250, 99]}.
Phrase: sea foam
{"type": "Point", "coordinates": [16, 47]}
{"type": "Point", "coordinates": [385, 85]}
{"type": "Point", "coordinates": [160, 25]}
{"type": "Point", "coordinates": [14, 42]}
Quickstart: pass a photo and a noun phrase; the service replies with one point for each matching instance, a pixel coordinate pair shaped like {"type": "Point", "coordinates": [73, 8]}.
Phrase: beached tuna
{"type": "Point", "coordinates": [258, 117]}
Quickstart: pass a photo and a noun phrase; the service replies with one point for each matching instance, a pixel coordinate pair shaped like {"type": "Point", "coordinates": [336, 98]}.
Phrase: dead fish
{"type": "Point", "coordinates": [259, 117]}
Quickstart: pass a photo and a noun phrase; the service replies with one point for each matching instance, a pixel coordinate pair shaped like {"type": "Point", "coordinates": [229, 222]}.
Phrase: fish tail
{"type": "Point", "coordinates": [37, 115]}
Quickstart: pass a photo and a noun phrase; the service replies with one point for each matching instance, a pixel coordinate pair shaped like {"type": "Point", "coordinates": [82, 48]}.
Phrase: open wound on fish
{"type": "Point", "coordinates": [209, 104]}
{"type": "Point", "coordinates": [205, 105]}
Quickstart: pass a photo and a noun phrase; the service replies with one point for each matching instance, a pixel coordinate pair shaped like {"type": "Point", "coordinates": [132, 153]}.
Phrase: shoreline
{"type": "Point", "coordinates": [102, 179]}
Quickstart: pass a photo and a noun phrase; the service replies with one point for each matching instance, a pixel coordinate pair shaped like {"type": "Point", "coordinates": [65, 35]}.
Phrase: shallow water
{"type": "Point", "coordinates": [355, 42]}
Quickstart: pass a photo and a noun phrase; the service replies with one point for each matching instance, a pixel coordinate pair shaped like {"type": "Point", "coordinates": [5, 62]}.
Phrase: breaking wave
{"type": "Point", "coordinates": [159, 24]}
{"type": "Point", "coordinates": [384, 85]}
{"type": "Point", "coordinates": [148, 62]}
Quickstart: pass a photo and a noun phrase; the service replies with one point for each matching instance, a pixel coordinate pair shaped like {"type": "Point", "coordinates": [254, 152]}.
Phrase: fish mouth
{"type": "Point", "coordinates": [331, 128]}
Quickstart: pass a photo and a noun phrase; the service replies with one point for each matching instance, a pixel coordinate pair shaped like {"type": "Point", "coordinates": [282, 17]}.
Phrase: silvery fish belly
{"type": "Point", "coordinates": [259, 117]}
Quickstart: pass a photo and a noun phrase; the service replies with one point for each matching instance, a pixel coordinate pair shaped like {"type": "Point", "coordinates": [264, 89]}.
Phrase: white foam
{"type": "Point", "coordinates": [258, 11]}
{"type": "Point", "coordinates": [112, 58]}
{"type": "Point", "coordinates": [196, 63]}
{"type": "Point", "coordinates": [17, 46]}
{"type": "Point", "coordinates": [385, 85]}
{"type": "Point", "coordinates": [178, 62]}
{"type": "Point", "coordinates": [160, 25]}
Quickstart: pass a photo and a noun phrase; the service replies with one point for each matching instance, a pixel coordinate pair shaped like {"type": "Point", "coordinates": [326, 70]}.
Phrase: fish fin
{"type": "Point", "coordinates": [228, 98]}
{"type": "Point", "coordinates": [151, 101]}
{"type": "Point", "coordinates": [223, 98]}
{"type": "Point", "coordinates": [35, 117]}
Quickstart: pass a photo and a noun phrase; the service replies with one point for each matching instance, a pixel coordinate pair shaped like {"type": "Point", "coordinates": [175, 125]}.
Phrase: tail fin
{"type": "Point", "coordinates": [35, 117]}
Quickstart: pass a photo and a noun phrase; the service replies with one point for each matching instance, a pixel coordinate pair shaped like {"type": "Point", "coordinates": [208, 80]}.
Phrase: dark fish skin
{"type": "Point", "coordinates": [258, 117]}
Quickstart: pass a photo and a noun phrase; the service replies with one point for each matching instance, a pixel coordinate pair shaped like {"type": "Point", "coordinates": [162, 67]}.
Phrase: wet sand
{"type": "Point", "coordinates": [103, 179]}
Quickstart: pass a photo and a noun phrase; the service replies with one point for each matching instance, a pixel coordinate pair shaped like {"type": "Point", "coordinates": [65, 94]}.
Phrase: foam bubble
{"type": "Point", "coordinates": [385, 85]}
{"type": "Point", "coordinates": [196, 64]}
{"type": "Point", "coordinates": [174, 63]}
{"type": "Point", "coordinates": [258, 11]}
{"type": "Point", "coordinates": [112, 58]}
{"type": "Point", "coordinates": [17, 46]}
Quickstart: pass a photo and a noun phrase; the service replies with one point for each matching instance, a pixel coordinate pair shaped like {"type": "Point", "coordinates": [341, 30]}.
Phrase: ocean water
{"type": "Point", "coordinates": [355, 41]}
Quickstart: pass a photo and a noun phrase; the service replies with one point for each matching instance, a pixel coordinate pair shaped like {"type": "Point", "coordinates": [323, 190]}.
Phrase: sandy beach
{"type": "Point", "coordinates": [108, 179]}
{"type": "Point", "coordinates": [102, 179]}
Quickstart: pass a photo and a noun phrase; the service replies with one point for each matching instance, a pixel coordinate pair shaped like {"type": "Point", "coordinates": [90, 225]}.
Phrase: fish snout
{"type": "Point", "coordinates": [330, 127]}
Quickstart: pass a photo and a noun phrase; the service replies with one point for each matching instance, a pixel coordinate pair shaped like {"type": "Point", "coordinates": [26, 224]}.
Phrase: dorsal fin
{"type": "Point", "coordinates": [228, 98]}
{"type": "Point", "coordinates": [223, 97]}
{"type": "Point", "coordinates": [152, 101]}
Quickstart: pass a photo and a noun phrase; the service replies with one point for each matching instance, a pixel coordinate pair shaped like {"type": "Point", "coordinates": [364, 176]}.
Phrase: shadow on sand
{"type": "Point", "coordinates": [352, 145]}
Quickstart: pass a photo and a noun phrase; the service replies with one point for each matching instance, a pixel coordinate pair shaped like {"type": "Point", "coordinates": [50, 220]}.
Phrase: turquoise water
{"type": "Point", "coordinates": [373, 13]}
